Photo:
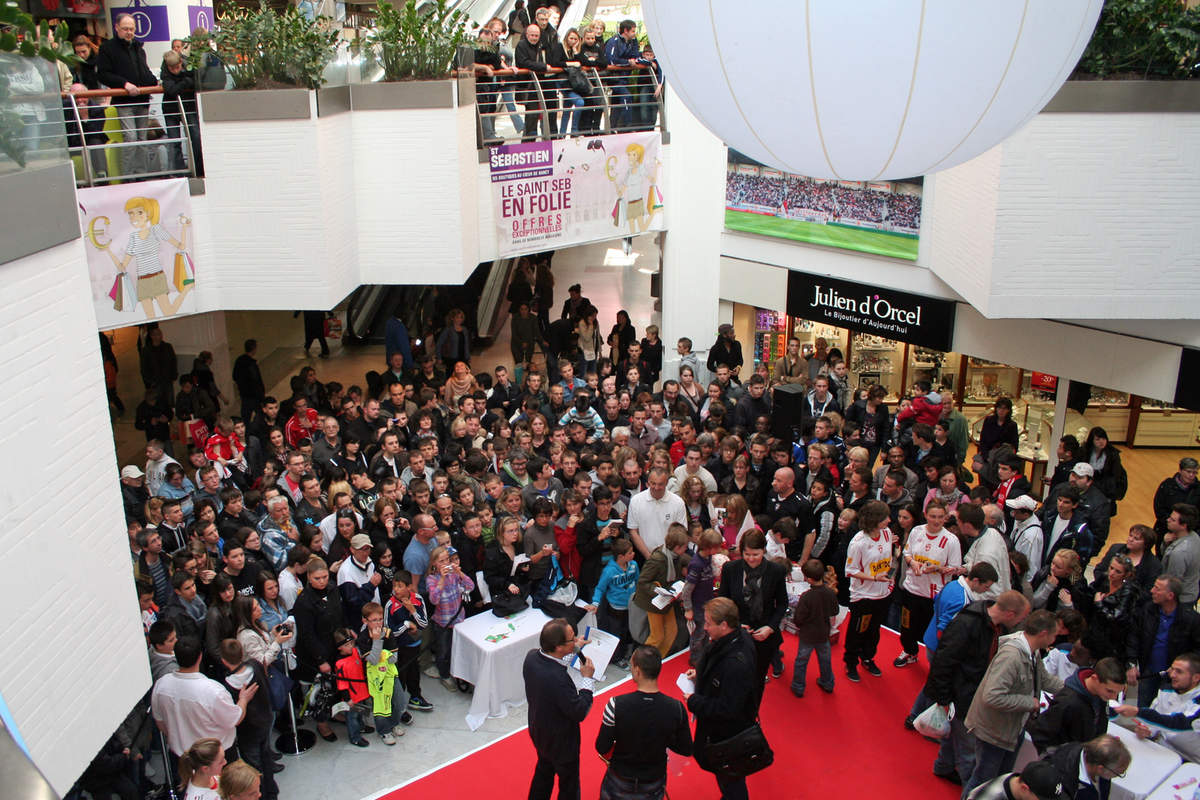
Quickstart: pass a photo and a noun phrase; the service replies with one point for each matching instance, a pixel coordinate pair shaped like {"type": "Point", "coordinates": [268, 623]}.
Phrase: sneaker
{"type": "Point", "coordinates": [903, 660]}
{"type": "Point", "coordinates": [852, 673]}
{"type": "Point", "coordinates": [360, 743]}
{"type": "Point", "coordinates": [368, 729]}
{"type": "Point", "coordinates": [420, 703]}
{"type": "Point", "coordinates": [951, 776]}
{"type": "Point", "coordinates": [388, 739]}
{"type": "Point", "coordinates": [432, 672]}
{"type": "Point", "coordinates": [405, 719]}
{"type": "Point", "coordinates": [871, 667]}
{"type": "Point", "coordinates": [464, 686]}
{"type": "Point", "coordinates": [449, 684]}
{"type": "Point", "coordinates": [777, 670]}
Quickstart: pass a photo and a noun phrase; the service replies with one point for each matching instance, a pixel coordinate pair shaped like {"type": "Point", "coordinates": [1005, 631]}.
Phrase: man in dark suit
{"type": "Point", "coordinates": [556, 708]}
{"type": "Point", "coordinates": [758, 587]}
{"type": "Point", "coordinates": [1088, 768]}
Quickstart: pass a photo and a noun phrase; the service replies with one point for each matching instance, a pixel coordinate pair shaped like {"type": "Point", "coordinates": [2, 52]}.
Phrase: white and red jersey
{"type": "Point", "coordinates": [874, 557]}
{"type": "Point", "coordinates": [931, 550]}
{"type": "Point", "coordinates": [294, 431]}
{"type": "Point", "coordinates": [222, 447]}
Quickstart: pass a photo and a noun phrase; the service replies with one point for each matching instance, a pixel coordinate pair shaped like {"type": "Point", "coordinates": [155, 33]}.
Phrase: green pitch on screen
{"type": "Point", "coordinates": [895, 245]}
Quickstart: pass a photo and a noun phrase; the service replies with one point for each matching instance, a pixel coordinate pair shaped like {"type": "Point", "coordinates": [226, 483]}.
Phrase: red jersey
{"type": "Point", "coordinates": [294, 431]}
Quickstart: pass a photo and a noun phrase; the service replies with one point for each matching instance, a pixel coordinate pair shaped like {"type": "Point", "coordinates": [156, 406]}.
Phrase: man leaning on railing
{"type": "Point", "coordinates": [622, 50]}
{"type": "Point", "coordinates": [179, 96]}
{"type": "Point", "coordinates": [121, 64]}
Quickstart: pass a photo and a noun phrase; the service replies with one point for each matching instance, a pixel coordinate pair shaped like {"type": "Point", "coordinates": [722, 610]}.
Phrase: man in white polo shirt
{"type": "Point", "coordinates": [651, 512]}
{"type": "Point", "coordinates": [188, 706]}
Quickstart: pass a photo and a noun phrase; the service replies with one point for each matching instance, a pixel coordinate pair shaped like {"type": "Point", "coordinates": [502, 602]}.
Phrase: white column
{"type": "Point", "coordinates": [695, 188]}
{"type": "Point", "coordinates": [192, 334]}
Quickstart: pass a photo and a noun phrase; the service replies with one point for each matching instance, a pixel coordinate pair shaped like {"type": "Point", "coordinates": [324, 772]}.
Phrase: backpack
{"type": "Point", "coordinates": [212, 73]}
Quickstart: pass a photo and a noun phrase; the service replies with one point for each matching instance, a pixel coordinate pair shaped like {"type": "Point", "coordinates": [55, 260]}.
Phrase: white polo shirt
{"type": "Point", "coordinates": [651, 518]}
{"type": "Point", "coordinates": [193, 707]}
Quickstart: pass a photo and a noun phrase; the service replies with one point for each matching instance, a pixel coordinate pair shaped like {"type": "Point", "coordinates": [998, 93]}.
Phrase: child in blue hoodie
{"type": "Point", "coordinates": [613, 593]}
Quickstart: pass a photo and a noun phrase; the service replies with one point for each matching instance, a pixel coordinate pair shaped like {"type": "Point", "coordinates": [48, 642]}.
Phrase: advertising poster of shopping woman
{"type": "Point", "coordinates": [139, 242]}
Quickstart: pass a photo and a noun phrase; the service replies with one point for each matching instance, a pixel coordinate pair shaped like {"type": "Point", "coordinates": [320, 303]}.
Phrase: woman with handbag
{"type": "Point", "coordinates": [729, 742]}
{"type": "Point", "coordinates": [576, 86]}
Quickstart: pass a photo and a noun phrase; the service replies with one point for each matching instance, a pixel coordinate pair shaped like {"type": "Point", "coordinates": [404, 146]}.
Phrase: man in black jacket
{"type": "Point", "coordinates": [637, 729]}
{"type": "Point", "coordinates": [1145, 663]}
{"type": "Point", "coordinates": [121, 64]}
{"type": "Point", "coordinates": [1088, 768]}
{"type": "Point", "coordinates": [179, 105]}
{"type": "Point", "coordinates": [962, 657]}
{"type": "Point", "coordinates": [556, 708]}
{"type": "Point", "coordinates": [726, 698]}
{"type": "Point", "coordinates": [248, 379]}
{"type": "Point", "coordinates": [1079, 710]}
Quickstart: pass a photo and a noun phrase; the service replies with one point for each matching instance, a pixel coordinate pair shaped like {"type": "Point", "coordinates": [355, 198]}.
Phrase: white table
{"type": "Point", "coordinates": [1151, 765]}
{"type": "Point", "coordinates": [1180, 784]}
{"type": "Point", "coordinates": [495, 667]}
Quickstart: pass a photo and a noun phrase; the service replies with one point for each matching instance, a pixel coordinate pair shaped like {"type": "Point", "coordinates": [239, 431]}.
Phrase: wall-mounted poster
{"type": "Point", "coordinates": [151, 21]}
{"type": "Point", "coordinates": [880, 217]}
{"type": "Point", "coordinates": [570, 191]}
{"type": "Point", "coordinates": [139, 251]}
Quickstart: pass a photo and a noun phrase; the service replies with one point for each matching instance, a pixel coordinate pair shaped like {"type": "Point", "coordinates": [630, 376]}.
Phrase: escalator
{"type": "Point", "coordinates": [423, 307]}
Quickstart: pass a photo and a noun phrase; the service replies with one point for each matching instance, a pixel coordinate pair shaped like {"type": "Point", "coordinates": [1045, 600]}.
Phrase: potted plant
{"type": "Point", "coordinates": [413, 44]}
{"type": "Point", "coordinates": [263, 49]}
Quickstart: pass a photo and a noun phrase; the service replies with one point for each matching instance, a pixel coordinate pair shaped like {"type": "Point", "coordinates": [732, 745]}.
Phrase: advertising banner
{"type": "Point", "coordinates": [139, 251]}
{"type": "Point", "coordinates": [151, 21]}
{"type": "Point", "coordinates": [912, 318]}
{"type": "Point", "coordinates": [548, 195]}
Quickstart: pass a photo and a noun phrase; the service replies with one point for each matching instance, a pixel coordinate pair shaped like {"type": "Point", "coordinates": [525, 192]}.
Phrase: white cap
{"type": "Point", "coordinates": [131, 472]}
{"type": "Point", "coordinates": [1083, 470]}
{"type": "Point", "coordinates": [1022, 502]}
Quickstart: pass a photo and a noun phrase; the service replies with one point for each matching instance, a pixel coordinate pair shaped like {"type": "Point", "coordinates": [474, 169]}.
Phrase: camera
{"type": "Point", "coordinates": [284, 627]}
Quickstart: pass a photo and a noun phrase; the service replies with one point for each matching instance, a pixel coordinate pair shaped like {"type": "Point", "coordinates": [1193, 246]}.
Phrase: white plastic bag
{"type": "Point", "coordinates": [934, 722]}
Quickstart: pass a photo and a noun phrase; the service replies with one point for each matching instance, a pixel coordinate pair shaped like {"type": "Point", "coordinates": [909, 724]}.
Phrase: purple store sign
{"type": "Point", "coordinates": [200, 18]}
{"type": "Point", "coordinates": [510, 162]}
{"type": "Point", "coordinates": [151, 21]}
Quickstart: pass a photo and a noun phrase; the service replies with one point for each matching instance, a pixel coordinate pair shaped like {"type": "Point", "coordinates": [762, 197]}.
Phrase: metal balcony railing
{"type": "Point", "coordinates": [168, 143]}
{"type": "Point", "coordinates": [618, 100]}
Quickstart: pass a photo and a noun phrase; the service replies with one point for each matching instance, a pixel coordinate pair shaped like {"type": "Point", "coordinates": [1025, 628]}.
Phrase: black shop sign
{"type": "Point", "coordinates": [892, 314]}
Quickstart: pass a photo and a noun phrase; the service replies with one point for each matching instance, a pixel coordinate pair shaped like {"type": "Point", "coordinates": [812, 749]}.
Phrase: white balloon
{"type": "Point", "coordinates": [869, 90]}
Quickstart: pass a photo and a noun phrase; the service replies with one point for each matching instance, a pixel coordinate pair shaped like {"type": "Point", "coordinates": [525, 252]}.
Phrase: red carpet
{"type": "Point", "coordinates": [851, 744]}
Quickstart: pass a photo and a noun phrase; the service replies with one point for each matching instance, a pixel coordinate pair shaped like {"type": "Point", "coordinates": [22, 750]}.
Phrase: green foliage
{"type": "Point", "coordinates": [1150, 38]}
{"type": "Point", "coordinates": [417, 44]}
{"type": "Point", "coordinates": [22, 38]}
{"type": "Point", "coordinates": [262, 48]}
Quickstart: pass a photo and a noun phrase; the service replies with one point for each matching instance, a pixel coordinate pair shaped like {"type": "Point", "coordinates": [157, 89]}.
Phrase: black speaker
{"type": "Point", "coordinates": [1187, 388]}
{"type": "Point", "coordinates": [788, 400]}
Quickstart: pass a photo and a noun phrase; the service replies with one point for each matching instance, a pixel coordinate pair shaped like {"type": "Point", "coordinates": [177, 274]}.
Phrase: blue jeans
{"type": "Point", "coordinates": [509, 104]}
{"type": "Point", "coordinates": [990, 761]}
{"type": "Point", "coordinates": [354, 719]}
{"type": "Point", "coordinates": [441, 643]}
{"type": "Point", "coordinates": [572, 109]}
{"type": "Point", "coordinates": [824, 664]}
{"type": "Point", "coordinates": [621, 107]}
{"type": "Point", "coordinates": [957, 751]}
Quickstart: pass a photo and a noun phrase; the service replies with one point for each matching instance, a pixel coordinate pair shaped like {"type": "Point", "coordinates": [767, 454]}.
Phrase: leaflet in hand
{"type": "Point", "coordinates": [600, 647]}
{"type": "Point", "coordinates": [664, 597]}
{"type": "Point", "coordinates": [685, 684]}
{"type": "Point", "coordinates": [518, 561]}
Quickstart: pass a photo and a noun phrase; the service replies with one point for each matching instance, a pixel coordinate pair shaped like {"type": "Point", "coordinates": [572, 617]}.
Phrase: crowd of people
{"type": "Point", "coordinates": [898, 209]}
{"type": "Point", "coordinates": [570, 98]}
{"type": "Point", "coordinates": [320, 548]}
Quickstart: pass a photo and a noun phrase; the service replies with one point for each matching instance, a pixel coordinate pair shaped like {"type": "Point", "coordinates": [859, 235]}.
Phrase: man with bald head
{"type": "Point", "coordinates": [416, 555]}
{"type": "Point", "coordinates": [783, 500]}
{"type": "Point", "coordinates": [121, 64]}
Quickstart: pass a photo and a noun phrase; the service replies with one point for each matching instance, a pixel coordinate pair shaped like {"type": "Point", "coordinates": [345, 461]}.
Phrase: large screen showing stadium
{"type": "Point", "coordinates": [880, 217]}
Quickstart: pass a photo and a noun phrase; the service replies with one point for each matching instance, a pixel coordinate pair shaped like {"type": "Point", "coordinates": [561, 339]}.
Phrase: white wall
{"type": "Point", "coordinates": [1088, 216]}
{"type": "Point", "coordinates": [75, 660]}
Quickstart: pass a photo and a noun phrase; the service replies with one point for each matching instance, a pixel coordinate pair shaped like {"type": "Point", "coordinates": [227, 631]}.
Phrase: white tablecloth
{"type": "Point", "coordinates": [495, 667]}
{"type": "Point", "coordinates": [1180, 784]}
{"type": "Point", "coordinates": [1151, 765]}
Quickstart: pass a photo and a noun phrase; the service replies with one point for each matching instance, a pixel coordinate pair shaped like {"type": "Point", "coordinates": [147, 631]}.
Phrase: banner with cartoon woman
{"type": "Point", "coordinates": [570, 191]}
{"type": "Point", "coordinates": [139, 250]}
